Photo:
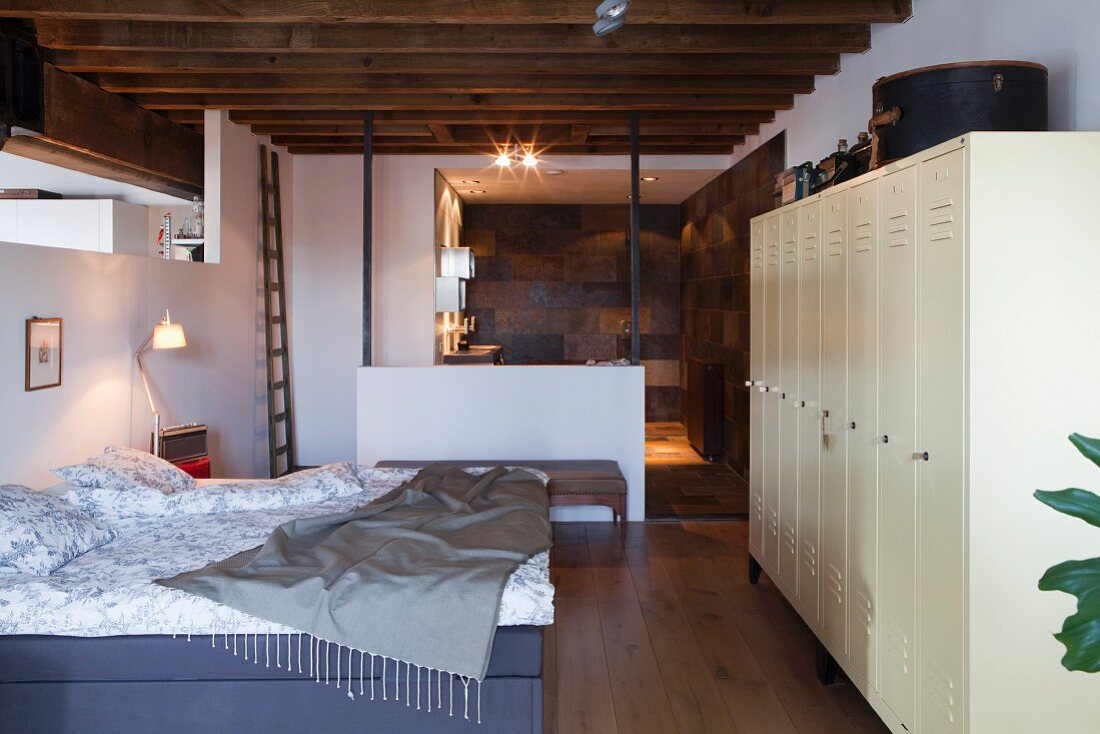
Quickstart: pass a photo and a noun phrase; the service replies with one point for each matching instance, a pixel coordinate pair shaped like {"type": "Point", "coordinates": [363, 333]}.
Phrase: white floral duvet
{"type": "Point", "coordinates": [109, 591]}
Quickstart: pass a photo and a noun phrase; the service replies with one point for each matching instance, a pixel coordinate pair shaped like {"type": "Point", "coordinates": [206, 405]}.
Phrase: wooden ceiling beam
{"type": "Point", "coordinates": [90, 130]}
{"type": "Point", "coordinates": [458, 83]}
{"type": "Point", "coordinates": [696, 64]}
{"type": "Point", "coordinates": [587, 149]}
{"type": "Point", "coordinates": [480, 117]}
{"type": "Point", "coordinates": [441, 133]}
{"type": "Point", "coordinates": [685, 12]}
{"type": "Point", "coordinates": [342, 130]}
{"type": "Point", "coordinates": [541, 145]}
{"type": "Point", "coordinates": [428, 101]}
{"type": "Point", "coordinates": [480, 39]}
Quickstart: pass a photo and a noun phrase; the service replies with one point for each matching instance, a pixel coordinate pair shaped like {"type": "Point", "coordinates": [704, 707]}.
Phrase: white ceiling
{"type": "Point", "coordinates": [520, 185]}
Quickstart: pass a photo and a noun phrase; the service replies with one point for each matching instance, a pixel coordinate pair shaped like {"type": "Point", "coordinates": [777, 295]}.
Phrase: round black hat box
{"type": "Point", "coordinates": [937, 103]}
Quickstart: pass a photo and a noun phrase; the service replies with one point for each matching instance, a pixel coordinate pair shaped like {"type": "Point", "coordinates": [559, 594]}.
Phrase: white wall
{"type": "Point", "coordinates": [536, 412]}
{"type": "Point", "coordinates": [1059, 33]}
{"type": "Point", "coordinates": [110, 302]}
{"type": "Point", "coordinates": [326, 306]}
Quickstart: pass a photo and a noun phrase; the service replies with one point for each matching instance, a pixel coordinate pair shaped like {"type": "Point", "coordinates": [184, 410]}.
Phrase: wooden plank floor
{"type": "Point", "coordinates": [667, 636]}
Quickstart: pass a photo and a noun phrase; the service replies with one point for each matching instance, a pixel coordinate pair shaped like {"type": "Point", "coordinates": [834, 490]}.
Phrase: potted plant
{"type": "Point", "coordinates": [1081, 631]}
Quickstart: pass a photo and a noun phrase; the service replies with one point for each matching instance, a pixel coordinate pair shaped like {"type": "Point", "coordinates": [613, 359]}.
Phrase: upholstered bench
{"type": "Point", "coordinates": [572, 482]}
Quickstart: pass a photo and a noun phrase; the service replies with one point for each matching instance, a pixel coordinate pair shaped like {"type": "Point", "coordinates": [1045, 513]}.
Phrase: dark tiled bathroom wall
{"type": "Point", "coordinates": [553, 285]}
{"type": "Point", "coordinates": [715, 287]}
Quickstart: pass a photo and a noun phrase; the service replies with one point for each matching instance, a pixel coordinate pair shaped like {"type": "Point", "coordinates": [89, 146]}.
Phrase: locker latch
{"type": "Point", "coordinates": [882, 439]}
{"type": "Point", "coordinates": [852, 425]}
{"type": "Point", "coordinates": [920, 456]}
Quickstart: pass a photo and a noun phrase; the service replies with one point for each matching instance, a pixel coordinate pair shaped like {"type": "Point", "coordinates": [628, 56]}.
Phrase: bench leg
{"type": "Point", "coordinates": [620, 517]}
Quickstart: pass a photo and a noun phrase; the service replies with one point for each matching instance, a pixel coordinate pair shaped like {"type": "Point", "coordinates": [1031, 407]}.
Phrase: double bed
{"type": "Point", "coordinates": [97, 646]}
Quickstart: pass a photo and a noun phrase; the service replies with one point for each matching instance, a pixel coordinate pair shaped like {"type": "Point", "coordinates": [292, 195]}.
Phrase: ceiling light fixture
{"type": "Point", "coordinates": [476, 191]}
{"type": "Point", "coordinates": [510, 154]}
{"type": "Point", "coordinates": [555, 172]}
{"type": "Point", "coordinates": [470, 181]}
{"type": "Point", "coordinates": [650, 178]}
{"type": "Point", "coordinates": [612, 16]}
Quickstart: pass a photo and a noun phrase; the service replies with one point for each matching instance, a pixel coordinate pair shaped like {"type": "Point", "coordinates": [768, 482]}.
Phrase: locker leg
{"type": "Point", "coordinates": [826, 665]}
{"type": "Point", "coordinates": [754, 570]}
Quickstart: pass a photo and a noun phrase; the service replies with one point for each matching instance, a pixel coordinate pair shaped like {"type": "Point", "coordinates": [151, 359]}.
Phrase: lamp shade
{"type": "Point", "coordinates": [169, 336]}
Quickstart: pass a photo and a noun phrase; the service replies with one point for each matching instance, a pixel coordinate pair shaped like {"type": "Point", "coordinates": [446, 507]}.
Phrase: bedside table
{"type": "Point", "coordinates": [197, 468]}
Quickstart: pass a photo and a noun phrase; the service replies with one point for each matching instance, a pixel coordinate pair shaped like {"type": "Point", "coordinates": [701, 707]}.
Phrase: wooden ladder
{"type": "Point", "coordinates": [280, 419]}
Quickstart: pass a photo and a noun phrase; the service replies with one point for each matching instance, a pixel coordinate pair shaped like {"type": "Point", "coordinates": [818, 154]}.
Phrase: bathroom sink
{"type": "Point", "coordinates": [478, 354]}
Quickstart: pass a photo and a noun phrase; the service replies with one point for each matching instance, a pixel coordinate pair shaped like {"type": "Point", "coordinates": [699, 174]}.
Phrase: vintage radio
{"type": "Point", "coordinates": [183, 443]}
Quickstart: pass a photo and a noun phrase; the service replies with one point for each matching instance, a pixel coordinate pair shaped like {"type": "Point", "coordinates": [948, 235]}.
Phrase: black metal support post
{"type": "Point", "coordinates": [368, 226]}
{"type": "Point", "coordinates": [635, 243]}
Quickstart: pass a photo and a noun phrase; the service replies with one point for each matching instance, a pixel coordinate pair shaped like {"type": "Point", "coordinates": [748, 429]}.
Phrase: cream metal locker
{"type": "Point", "coordinates": [754, 384]}
{"type": "Point", "coordinates": [863, 375]}
{"type": "Point", "coordinates": [898, 419]}
{"type": "Point", "coordinates": [954, 301]}
{"type": "Point", "coordinates": [834, 411]}
{"type": "Point", "coordinates": [772, 391]}
{"type": "Point", "coordinates": [941, 452]}
{"type": "Point", "coordinates": [808, 407]}
{"type": "Point", "coordinates": [788, 392]}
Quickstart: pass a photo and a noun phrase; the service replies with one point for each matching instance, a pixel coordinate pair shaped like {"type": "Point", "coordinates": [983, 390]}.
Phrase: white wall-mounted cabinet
{"type": "Point", "coordinates": [97, 225]}
{"type": "Point", "coordinates": [450, 294]}
{"type": "Point", "coordinates": [922, 342]}
{"type": "Point", "coordinates": [457, 262]}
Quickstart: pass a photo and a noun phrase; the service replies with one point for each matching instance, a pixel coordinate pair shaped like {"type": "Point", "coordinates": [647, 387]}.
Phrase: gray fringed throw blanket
{"type": "Point", "coordinates": [415, 576]}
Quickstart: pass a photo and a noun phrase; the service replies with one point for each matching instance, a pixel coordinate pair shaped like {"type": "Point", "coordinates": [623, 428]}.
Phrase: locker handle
{"type": "Point", "coordinates": [824, 414]}
{"type": "Point", "coordinates": [882, 439]}
{"type": "Point", "coordinates": [852, 425]}
{"type": "Point", "coordinates": [920, 456]}
{"type": "Point", "coordinates": [762, 388]}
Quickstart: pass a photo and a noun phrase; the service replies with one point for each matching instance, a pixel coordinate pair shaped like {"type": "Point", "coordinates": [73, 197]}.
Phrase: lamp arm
{"type": "Point", "coordinates": [141, 369]}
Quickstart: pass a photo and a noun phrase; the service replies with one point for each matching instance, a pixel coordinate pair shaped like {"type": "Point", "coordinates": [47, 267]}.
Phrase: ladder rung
{"type": "Point", "coordinates": [279, 417]}
{"type": "Point", "coordinates": [278, 352]}
{"type": "Point", "coordinates": [279, 385]}
{"type": "Point", "coordinates": [273, 253]}
{"type": "Point", "coordinates": [275, 287]}
{"type": "Point", "coordinates": [272, 221]}
{"type": "Point", "coordinates": [276, 319]}
{"type": "Point", "coordinates": [282, 450]}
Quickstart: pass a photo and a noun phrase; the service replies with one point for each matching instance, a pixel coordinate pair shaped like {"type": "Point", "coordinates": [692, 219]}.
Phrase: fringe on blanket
{"type": "Point", "coordinates": [318, 653]}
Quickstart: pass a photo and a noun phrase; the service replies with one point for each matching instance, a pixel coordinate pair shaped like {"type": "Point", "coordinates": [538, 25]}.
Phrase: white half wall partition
{"type": "Point", "coordinates": [506, 413]}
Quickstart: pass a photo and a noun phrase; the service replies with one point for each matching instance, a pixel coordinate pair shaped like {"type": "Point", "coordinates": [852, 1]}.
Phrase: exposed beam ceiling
{"type": "Point", "coordinates": [482, 39]}
{"type": "Point", "coordinates": [461, 75]}
{"type": "Point", "coordinates": [662, 12]}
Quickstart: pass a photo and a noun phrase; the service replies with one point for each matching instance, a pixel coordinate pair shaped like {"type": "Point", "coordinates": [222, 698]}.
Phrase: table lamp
{"type": "Point", "coordinates": [164, 335]}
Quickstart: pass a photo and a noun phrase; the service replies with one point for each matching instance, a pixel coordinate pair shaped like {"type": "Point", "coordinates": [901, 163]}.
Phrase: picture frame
{"type": "Point", "coordinates": [44, 353]}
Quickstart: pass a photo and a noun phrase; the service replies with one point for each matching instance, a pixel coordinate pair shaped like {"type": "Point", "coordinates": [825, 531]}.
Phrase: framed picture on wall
{"type": "Point", "coordinates": [43, 353]}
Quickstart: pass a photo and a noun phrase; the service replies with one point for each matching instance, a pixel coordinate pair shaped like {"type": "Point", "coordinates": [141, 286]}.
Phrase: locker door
{"type": "Point", "coordinates": [863, 351]}
{"type": "Point", "coordinates": [808, 408]}
{"type": "Point", "coordinates": [754, 383]}
{"type": "Point", "coordinates": [897, 469]}
{"type": "Point", "coordinates": [942, 433]}
{"type": "Point", "coordinates": [834, 419]}
{"type": "Point", "coordinates": [770, 540]}
{"type": "Point", "coordinates": [788, 397]}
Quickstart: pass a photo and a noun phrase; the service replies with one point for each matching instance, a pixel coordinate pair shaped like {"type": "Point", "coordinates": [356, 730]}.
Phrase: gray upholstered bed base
{"type": "Point", "coordinates": [165, 685]}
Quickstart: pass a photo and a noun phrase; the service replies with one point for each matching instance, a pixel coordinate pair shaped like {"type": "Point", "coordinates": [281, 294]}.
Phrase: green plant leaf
{"type": "Point", "coordinates": [1079, 503]}
{"type": "Point", "coordinates": [1080, 632]}
{"type": "Point", "coordinates": [1090, 447]}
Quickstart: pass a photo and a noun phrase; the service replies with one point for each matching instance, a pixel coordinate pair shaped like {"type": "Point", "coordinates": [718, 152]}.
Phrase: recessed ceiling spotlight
{"type": "Point", "coordinates": [651, 178]}
{"type": "Point", "coordinates": [476, 191]}
{"type": "Point", "coordinates": [612, 16]}
{"type": "Point", "coordinates": [503, 159]}
{"type": "Point", "coordinates": [470, 181]}
{"type": "Point", "coordinates": [555, 172]}
{"type": "Point", "coordinates": [530, 160]}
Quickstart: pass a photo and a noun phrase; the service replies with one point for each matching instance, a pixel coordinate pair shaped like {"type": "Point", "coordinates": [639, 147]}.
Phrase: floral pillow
{"type": "Point", "coordinates": [322, 484]}
{"type": "Point", "coordinates": [124, 468]}
{"type": "Point", "coordinates": [39, 533]}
